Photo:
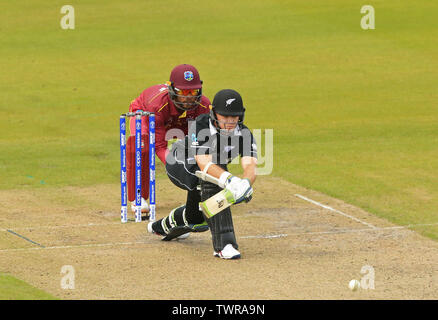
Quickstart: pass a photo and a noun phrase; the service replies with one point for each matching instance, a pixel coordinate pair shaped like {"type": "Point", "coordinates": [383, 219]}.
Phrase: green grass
{"type": "Point", "coordinates": [354, 112]}
{"type": "Point", "coordinates": [15, 289]}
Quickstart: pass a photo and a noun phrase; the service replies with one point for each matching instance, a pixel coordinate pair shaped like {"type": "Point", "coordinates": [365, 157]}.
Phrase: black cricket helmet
{"type": "Point", "coordinates": [227, 102]}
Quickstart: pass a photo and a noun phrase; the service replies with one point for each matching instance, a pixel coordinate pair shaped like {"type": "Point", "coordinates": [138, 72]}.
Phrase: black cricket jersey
{"type": "Point", "coordinates": [203, 138]}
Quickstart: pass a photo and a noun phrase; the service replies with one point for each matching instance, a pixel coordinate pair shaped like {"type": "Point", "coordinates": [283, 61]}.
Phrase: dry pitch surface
{"type": "Point", "coordinates": [291, 248]}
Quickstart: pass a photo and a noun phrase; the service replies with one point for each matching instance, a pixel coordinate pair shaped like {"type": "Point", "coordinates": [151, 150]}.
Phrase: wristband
{"type": "Point", "coordinates": [206, 167]}
{"type": "Point", "coordinates": [204, 172]}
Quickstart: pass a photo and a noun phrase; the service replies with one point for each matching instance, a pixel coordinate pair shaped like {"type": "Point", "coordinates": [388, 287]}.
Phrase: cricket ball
{"type": "Point", "coordinates": [354, 285]}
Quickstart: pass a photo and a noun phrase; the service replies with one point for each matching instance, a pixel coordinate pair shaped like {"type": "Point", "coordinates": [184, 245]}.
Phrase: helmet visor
{"type": "Point", "coordinates": [185, 99]}
{"type": "Point", "coordinates": [187, 92]}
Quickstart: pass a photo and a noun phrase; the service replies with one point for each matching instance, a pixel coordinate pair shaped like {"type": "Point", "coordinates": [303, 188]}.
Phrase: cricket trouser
{"type": "Point", "coordinates": [221, 224]}
{"type": "Point", "coordinates": [182, 175]}
{"type": "Point", "coordinates": [130, 167]}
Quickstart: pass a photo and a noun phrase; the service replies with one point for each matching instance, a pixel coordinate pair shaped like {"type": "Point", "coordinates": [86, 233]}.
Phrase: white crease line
{"type": "Point", "coordinates": [79, 246]}
{"type": "Point", "coordinates": [261, 236]}
{"type": "Point", "coordinates": [64, 226]}
{"type": "Point", "coordinates": [282, 235]}
{"type": "Point", "coordinates": [265, 236]}
{"type": "Point", "coordinates": [334, 210]}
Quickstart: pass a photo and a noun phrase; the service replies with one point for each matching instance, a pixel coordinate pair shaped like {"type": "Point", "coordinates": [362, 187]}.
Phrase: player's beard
{"type": "Point", "coordinates": [190, 103]}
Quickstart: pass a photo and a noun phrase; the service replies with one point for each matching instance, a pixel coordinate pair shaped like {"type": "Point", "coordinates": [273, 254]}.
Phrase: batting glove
{"type": "Point", "coordinates": [241, 189]}
{"type": "Point", "coordinates": [245, 186]}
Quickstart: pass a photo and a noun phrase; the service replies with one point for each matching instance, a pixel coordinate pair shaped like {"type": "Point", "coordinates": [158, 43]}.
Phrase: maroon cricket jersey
{"type": "Point", "coordinates": [156, 99]}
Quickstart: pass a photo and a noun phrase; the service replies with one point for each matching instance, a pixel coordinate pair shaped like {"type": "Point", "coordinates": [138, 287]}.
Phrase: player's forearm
{"type": "Point", "coordinates": [212, 169]}
{"type": "Point", "coordinates": [250, 174]}
{"type": "Point", "coordinates": [249, 165]}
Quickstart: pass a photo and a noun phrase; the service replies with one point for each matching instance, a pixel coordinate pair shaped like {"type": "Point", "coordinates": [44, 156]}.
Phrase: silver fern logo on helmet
{"type": "Point", "coordinates": [229, 102]}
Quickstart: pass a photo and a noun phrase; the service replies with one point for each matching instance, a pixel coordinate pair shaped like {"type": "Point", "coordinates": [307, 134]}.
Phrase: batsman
{"type": "Point", "coordinates": [198, 164]}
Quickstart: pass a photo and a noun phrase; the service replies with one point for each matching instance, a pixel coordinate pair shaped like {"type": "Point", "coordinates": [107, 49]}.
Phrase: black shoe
{"type": "Point", "coordinates": [156, 228]}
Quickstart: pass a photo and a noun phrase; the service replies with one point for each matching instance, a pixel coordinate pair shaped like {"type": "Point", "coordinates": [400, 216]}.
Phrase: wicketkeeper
{"type": "Point", "coordinates": [213, 141]}
{"type": "Point", "coordinates": [174, 103]}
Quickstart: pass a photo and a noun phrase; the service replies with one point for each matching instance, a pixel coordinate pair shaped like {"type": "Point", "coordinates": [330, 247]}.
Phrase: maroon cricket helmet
{"type": "Point", "coordinates": [185, 76]}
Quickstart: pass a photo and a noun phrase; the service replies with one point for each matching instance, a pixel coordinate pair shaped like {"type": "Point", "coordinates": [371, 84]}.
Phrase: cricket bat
{"type": "Point", "coordinates": [217, 203]}
{"type": "Point", "coordinates": [220, 201]}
